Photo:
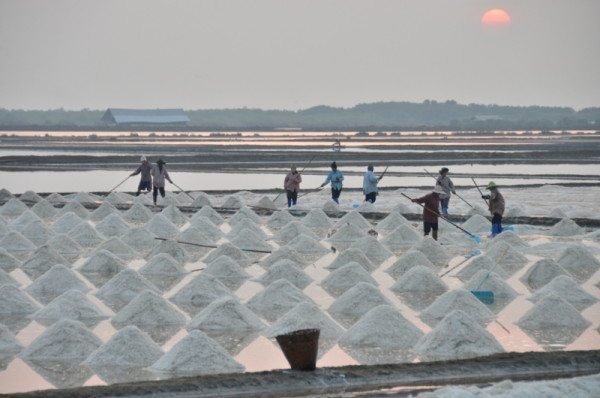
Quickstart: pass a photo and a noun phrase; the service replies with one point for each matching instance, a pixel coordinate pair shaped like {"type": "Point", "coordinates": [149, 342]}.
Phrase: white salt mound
{"type": "Point", "coordinates": [163, 271]}
{"type": "Point", "coordinates": [516, 211]}
{"type": "Point", "coordinates": [85, 235]}
{"type": "Point", "coordinates": [66, 222]}
{"type": "Point", "coordinates": [251, 243]}
{"type": "Point", "coordinates": [201, 200]}
{"type": "Point", "coordinates": [139, 239]}
{"type": "Point", "coordinates": [308, 248]}
{"type": "Point", "coordinates": [285, 269]}
{"type": "Point", "coordinates": [226, 315]}
{"type": "Point", "coordinates": [17, 245]}
{"type": "Point", "coordinates": [354, 218]}
{"type": "Point", "coordinates": [242, 214]}
{"type": "Point", "coordinates": [7, 261]}
{"type": "Point", "coordinates": [457, 336]}
{"type": "Point", "coordinates": [103, 211]}
{"type": "Point", "coordinates": [147, 311]}
{"type": "Point", "coordinates": [174, 215]}
{"type": "Point", "coordinates": [197, 354]}
{"type": "Point", "coordinates": [346, 235]}
{"type": "Point", "coordinates": [211, 214]}
{"type": "Point", "coordinates": [477, 224]}
{"type": "Point", "coordinates": [171, 248]}
{"type": "Point", "coordinates": [101, 267]}
{"type": "Point", "coordinates": [38, 233]}
{"type": "Point", "coordinates": [122, 288]}
{"type": "Point", "coordinates": [112, 225]}
{"type": "Point", "coordinates": [229, 250]}
{"type": "Point", "coordinates": [129, 348]}
{"type": "Point", "coordinates": [232, 202]}
{"type": "Point", "coordinates": [246, 225]}
{"type": "Point", "coordinates": [13, 208]}
{"type": "Point", "coordinates": [84, 198]}
{"type": "Point", "coordinates": [117, 198]}
{"type": "Point", "coordinates": [355, 302]}
{"type": "Point", "coordinates": [579, 262]}
{"type": "Point", "coordinates": [160, 226]}
{"type": "Point", "coordinates": [490, 281]}
{"type": "Point", "coordinates": [279, 219]}
{"type": "Point", "coordinates": [75, 207]}
{"type": "Point", "coordinates": [284, 253]}
{"type": "Point", "coordinates": [477, 264]}
{"type": "Point", "coordinates": [66, 341]}
{"type": "Point", "coordinates": [195, 235]}
{"type": "Point", "coordinates": [14, 302]}
{"type": "Point", "coordinates": [506, 257]}
{"type": "Point", "coordinates": [56, 281]}
{"type": "Point", "coordinates": [291, 231]}
{"type": "Point", "coordinates": [541, 273]}
{"type": "Point", "coordinates": [433, 251]}
{"type": "Point", "coordinates": [207, 227]}
{"type": "Point", "coordinates": [352, 255]}
{"type": "Point", "coordinates": [480, 210]}
{"type": "Point", "coordinates": [117, 247]}
{"type": "Point", "coordinates": [66, 247]}
{"type": "Point", "coordinates": [5, 195]}
{"type": "Point", "coordinates": [6, 279]}
{"type": "Point", "coordinates": [401, 238]}
{"type": "Point", "coordinates": [228, 272]}
{"type": "Point", "coordinates": [9, 346]}
{"type": "Point", "coordinates": [199, 293]}
{"type": "Point", "coordinates": [266, 203]}
{"type": "Point", "coordinates": [367, 207]}
{"type": "Point", "coordinates": [331, 207]}
{"type": "Point", "coordinates": [276, 300]}
{"type": "Point", "coordinates": [390, 222]}
{"type": "Point", "coordinates": [509, 237]}
{"type": "Point", "coordinates": [138, 214]}
{"type": "Point", "coordinates": [25, 218]}
{"type": "Point", "coordinates": [373, 249]}
{"type": "Point", "coordinates": [44, 210]}
{"type": "Point", "coordinates": [56, 198]}
{"type": "Point", "coordinates": [317, 220]}
{"type": "Point", "coordinates": [567, 289]}
{"type": "Point", "coordinates": [401, 208]}
{"type": "Point", "coordinates": [419, 287]}
{"type": "Point", "coordinates": [345, 278]}
{"type": "Point", "coordinates": [458, 298]}
{"type": "Point", "coordinates": [408, 260]}
{"type": "Point", "coordinates": [73, 305]}
{"type": "Point", "coordinates": [566, 227]}
{"type": "Point", "coordinates": [41, 261]}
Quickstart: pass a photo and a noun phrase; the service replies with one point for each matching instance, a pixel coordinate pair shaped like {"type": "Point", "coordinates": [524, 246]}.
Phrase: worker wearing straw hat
{"type": "Point", "coordinates": [145, 170]}
{"type": "Point", "coordinates": [159, 175]}
{"type": "Point", "coordinates": [431, 208]}
{"type": "Point", "coordinates": [496, 207]}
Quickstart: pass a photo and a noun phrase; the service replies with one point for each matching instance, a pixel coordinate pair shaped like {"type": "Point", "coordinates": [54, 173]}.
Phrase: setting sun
{"type": "Point", "coordinates": [495, 16]}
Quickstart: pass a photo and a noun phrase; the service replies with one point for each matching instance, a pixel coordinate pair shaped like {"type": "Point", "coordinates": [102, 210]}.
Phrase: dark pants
{"type": "Point", "coordinates": [444, 204]}
{"type": "Point", "coordinates": [496, 224]}
{"type": "Point", "coordinates": [430, 226]}
{"type": "Point", "coordinates": [155, 193]}
{"type": "Point", "coordinates": [335, 195]}
{"type": "Point", "coordinates": [292, 197]}
{"type": "Point", "coordinates": [144, 186]}
{"type": "Point", "coordinates": [371, 197]}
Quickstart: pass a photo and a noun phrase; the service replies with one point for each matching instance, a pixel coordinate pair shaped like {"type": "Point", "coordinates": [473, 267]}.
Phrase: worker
{"type": "Point", "coordinates": [335, 177]}
{"type": "Point", "coordinates": [496, 206]}
{"type": "Point", "coordinates": [291, 184]}
{"type": "Point", "coordinates": [370, 181]}
{"type": "Point", "coordinates": [431, 203]}
{"type": "Point", "coordinates": [145, 170]}
{"type": "Point", "coordinates": [159, 175]}
{"type": "Point", "coordinates": [446, 183]}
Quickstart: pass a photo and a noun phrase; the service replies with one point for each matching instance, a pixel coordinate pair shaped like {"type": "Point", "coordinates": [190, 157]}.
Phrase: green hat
{"type": "Point", "coordinates": [491, 185]}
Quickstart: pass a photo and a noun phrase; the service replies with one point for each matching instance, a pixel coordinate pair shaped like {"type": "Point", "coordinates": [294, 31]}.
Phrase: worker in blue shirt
{"type": "Point", "coordinates": [335, 177]}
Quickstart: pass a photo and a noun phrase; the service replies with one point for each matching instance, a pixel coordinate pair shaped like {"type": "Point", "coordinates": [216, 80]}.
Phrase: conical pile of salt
{"type": "Point", "coordinates": [101, 267]}
{"type": "Point", "coordinates": [163, 271]}
{"type": "Point", "coordinates": [194, 235]}
{"type": "Point", "coordinates": [113, 225]}
{"type": "Point", "coordinates": [266, 203]}
{"type": "Point", "coordinates": [541, 273]}
{"type": "Point", "coordinates": [567, 289]}
{"type": "Point", "coordinates": [391, 222]}
{"type": "Point", "coordinates": [228, 272]}
{"type": "Point", "coordinates": [7, 261]}
{"type": "Point", "coordinates": [17, 245]}
{"type": "Point", "coordinates": [232, 202]}
{"type": "Point", "coordinates": [84, 198]}
{"type": "Point", "coordinates": [152, 314]}
{"type": "Point", "coordinates": [229, 250]}
{"type": "Point", "coordinates": [144, 200]}
{"type": "Point", "coordinates": [73, 305]}
{"type": "Point", "coordinates": [457, 336]}
{"type": "Point", "coordinates": [5, 195]}
{"type": "Point", "coordinates": [307, 315]}
{"type": "Point", "coordinates": [367, 207]}
{"type": "Point", "coordinates": [41, 261]}
{"type": "Point", "coordinates": [285, 269]}
{"type": "Point", "coordinates": [9, 346]}
{"type": "Point", "coordinates": [553, 322]}
{"type": "Point", "coordinates": [171, 248]}
{"type": "Point", "coordinates": [284, 253]}
{"type": "Point", "coordinates": [56, 198]}
{"type": "Point", "coordinates": [345, 237]}
{"type": "Point", "coordinates": [331, 207]}
{"type": "Point", "coordinates": [44, 210]}
{"type": "Point", "coordinates": [407, 261]}
{"type": "Point", "coordinates": [490, 281]}
{"type": "Point", "coordinates": [354, 218]}
{"type": "Point", "coordinates": [458, 298]}
{"type": "Point", "coordinates": [419, 287]}
{"type": "Point", "coordinates": [279, 219]}
{"type": "Point", "coordinates": [6, 279]}
{"type": "Point", "coordinates": [161, 227]}
{"type": "Point", "coordinates": [207, 227]}
{"type": "Point", "coordinates": [55, 282]}
{"type": "Point", "coordinates": [401, 238]}
{"type": "Point", "coordinates": [566, 227]}
{"type": "Point", "coordinates": [211, 214]}
{"type": "Point", "coordinates": [196, 354]}
{"type": "Point", "coordinates": [66, 222]}
{"type": "Point", "coordinates": [129, 348]}
{"type": "Point", "coordinates": [310, 249]}
{"type": "Point", "coordinates": [345, 278]}
{"type": "Point", "coordinates": [558, 213]}
{"type": "Point", "coordinates": [401, 208]}
{"type": "Point", "coordinates": [433, 251]}
{"type": "Point", "coordinates": [116, 198]}
{"type": "Point", "coordinates": [201, 200]}
{"type": "Point", "coordinates": [25, 218]}
{"type": "Point", "coordinates": [14, 304]}
{"type": "Point", "coordinates": [352, 255]}
{"type": "Point", "coordinates": [139, 239]}
{"type": "Point", "coordinates": [381, 336]}
{"type": "Point", "coordinates": [137, 214]}
{"type": "Point", "coordinates": [579, 262]}
{"type": "Point", "coordinates": [66, 247]}
{"type": "Point", "coordinates": [373, 249]}
{"type": "Point", "coordinates": [103, 211]}
{"type": "Point", "coordinates": [85, 235]}
{"type": "Point", "coordinates": [252, 244]}
{"type": "Point", "coordinates": [477, 224]}
{"type": "Point", "coordinates": [243, 214]}
{"type": "Point", "coordinates": [174, 215]}
{"type": "Point", "coordinates": [477, 264]}
{"type": "Point", "coordinates": [506, 257]}
{"type": "Point", "coordinates": [226, 316]}
{"type": "Point", "coordinates": [183, 198]}
{"type": "Point", "coordinates": [117, 247]}
{"type": "Point", "coordinates": [4, 229]}
{"type": "Point", "coordinates": [30, 197]}
{"type": "Point", "coordinates": [516, 211]}
{"type": "Point", "coordinates": [510, 238]}
{"type": "Point", "coordinates": [291, 231]}
{"type": "Point", "coordinates": [318, 221]}
{"type": "Point", "coordinates": [478, 210]}
{"type": "Point", "coordinates": [75, 207]}
{"type": "Point", "coordinates": [199, 293]}
{"type": "Point", "coordinates": [276, 300]}
{"type": "Point", "coordinates": [38, 233]}
{"type": "Point", "coordinates": [65, 341]}
{"type": "Point", "coordinates": [247, 225]}
{"type": "Point", "coordinates": [13, 208]}
{"type": "Point", "coordinates": [122, 288]}
{"type": "Point", "coordinates": [355, 302]}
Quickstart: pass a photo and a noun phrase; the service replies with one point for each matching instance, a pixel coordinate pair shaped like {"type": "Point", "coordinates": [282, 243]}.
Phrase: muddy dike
{"type": "Point", "coordinates": [352, 379]}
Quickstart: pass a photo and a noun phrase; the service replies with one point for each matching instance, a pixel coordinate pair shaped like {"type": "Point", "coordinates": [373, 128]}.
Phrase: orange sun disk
{"type": "Point", "coordinates": [495, 16]}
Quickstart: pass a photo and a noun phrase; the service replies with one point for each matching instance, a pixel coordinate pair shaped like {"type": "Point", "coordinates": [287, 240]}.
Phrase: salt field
{"type": "Point", "coordinates": [90, 297]}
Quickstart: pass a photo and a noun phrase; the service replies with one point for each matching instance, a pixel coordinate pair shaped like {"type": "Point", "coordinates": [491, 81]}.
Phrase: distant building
{"type": "Point", "coordinates": [115, 116]}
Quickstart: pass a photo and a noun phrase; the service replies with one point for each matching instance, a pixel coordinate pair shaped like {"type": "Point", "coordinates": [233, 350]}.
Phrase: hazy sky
{"type": "Point", "coordinates": [290, 54]}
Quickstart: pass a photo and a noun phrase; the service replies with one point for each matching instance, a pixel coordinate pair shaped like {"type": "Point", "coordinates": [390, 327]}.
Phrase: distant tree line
{"type": "Point", "coordinates": [382, 116]}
